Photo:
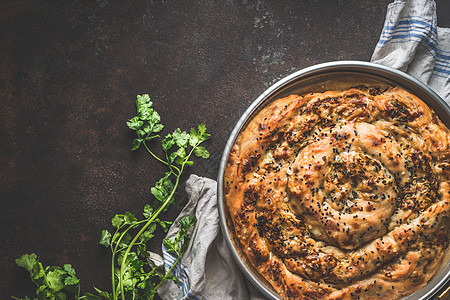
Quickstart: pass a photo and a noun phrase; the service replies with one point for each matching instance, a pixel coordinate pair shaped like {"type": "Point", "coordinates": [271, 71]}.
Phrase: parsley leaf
{"type": "Point", "coordinates": [145, 123]}
{"type": "Point", "coordinates": [167, 142]}
{"type": "Point", "coordinates": [201, 151]}
{"type": "Point", "coordinates": [135, 123]}
{"type": "Point", "coordinates": [52, 282]}
{"type": "Point", "coordinates": [30, 263]}
{"type": "Point", "coordinates": [148, 211]}
{"type": "Point", "coordinates": [136, 144]}
{"type": "Point", "coordinates": [199, 136]}
{"type": "Point", "coordinates": [180, 138]}
{"type": "Point", "coordinates": [105, 240]}
{"type": "Point", "coordinates": [117, 221]}
{"type": "Point", "coordinates": [56, 279]}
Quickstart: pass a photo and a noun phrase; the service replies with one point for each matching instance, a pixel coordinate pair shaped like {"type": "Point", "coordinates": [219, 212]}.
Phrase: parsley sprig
{"type": "Point", "coordinates": [129, 279]}
{"type": "Point", "coordinates": [131, 276]}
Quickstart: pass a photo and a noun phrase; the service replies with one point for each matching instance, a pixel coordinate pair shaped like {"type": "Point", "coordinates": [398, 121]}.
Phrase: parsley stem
{"type": "Point", "coordinates": [113, 275]}
{"type": "Point", "coordinates": [45, 275]}
{"type": "Point", "coordinates": [125, 231]}
{"type": "Point", "coordinates": [150, 221]}
{"type": "Point", "coordinates": [152, 154]}
{"type": "Point", "coordinates": [168, 272]}
{"type": "Point", "coordinates": [171, 166]}
{"type": "Point", "coordinates": [178, 170]}
{"type": "Point", "coordinates": [114, 251]}
{"type": "Point", "coordinates": [123, 248]}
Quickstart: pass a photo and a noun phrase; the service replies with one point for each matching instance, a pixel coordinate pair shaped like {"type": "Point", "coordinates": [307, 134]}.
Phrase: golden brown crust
{"type": "Point", "coordinates": [342, 195]}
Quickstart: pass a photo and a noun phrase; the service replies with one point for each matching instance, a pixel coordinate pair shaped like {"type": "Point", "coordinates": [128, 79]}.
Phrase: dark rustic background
{"type": "Point", "coordinates": [70, 72]}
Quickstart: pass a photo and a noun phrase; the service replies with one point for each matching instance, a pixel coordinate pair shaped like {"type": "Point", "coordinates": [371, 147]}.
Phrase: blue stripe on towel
{"type": "Point", "coordinates": [179, 271]}
{"type": "Point", "coordinates": [442, 65]}
{"type": "Point", "coordinates": [413, 28]}
{"type": "Point", "coordinates": [421, 30]}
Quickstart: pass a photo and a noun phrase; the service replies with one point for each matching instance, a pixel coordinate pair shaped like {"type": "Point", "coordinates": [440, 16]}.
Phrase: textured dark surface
{"type": "Point", "coordinates": [70, 72]}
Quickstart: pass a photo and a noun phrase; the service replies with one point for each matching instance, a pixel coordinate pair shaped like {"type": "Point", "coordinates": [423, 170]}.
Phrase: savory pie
{"type": "Point", "coordinates": [342, 194]}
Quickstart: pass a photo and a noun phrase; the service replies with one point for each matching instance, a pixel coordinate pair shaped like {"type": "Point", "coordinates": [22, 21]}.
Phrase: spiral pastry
{"type": "Point", "coordinates": [342, 194]}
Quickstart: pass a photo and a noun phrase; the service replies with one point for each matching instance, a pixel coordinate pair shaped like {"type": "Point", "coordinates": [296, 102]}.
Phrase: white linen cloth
{"type": "Point", "coordinates": [411, 42]}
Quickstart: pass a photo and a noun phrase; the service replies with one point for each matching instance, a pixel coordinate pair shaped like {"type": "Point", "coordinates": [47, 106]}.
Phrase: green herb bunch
{"type": "Point", "coordinates": [131, 276]}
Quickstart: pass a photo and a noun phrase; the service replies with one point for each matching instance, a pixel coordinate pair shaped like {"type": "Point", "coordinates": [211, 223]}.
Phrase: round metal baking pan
{"type": "Point", "coordinates": [328, 76]}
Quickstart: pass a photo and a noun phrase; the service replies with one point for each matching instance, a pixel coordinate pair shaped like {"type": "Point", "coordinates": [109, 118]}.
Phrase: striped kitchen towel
{"type": "Point", "coordinates": [412, 42]}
